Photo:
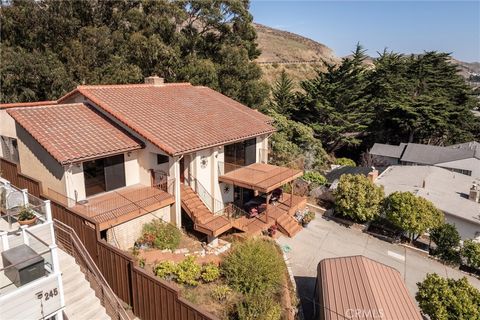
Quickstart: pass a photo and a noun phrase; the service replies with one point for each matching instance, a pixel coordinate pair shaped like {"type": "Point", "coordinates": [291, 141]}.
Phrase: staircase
{"type": "Point", "coordinates": [80, 300]}
{"type": "Point", "coordinates": [204, 220]}
{"type": "Point", "coordinates": [288, 225]}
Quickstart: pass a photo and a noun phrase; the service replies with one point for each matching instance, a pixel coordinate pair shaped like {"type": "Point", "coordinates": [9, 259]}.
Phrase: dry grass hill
{"type": "Point", "coordinates": [300, 56]}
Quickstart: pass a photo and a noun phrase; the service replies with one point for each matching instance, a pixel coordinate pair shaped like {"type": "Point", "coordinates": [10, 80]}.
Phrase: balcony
{"type": "Point", "coordinates": [29, 266]}
{"type": "Point", "coordinates": [112, 208]}
{"type": "Point", "coordinates": [13, 201]}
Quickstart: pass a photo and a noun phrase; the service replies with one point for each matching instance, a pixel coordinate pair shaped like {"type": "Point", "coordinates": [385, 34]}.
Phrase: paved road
{"type": "Point", "coordinates": [325, 239]}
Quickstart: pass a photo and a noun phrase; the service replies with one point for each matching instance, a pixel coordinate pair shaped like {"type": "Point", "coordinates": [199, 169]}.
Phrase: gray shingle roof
{"type": "Point", "coordinates": [387, 150]}
{"type": "Point", "coordinates": [335, 174]}
{"type": "Point", "coordinates": [427, 154]}
{"type": "Point", "coordinates": [447, 190]}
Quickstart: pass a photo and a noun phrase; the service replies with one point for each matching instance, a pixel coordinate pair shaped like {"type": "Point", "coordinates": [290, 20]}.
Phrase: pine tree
{"type": "Point", "coordinates": [283, 95]}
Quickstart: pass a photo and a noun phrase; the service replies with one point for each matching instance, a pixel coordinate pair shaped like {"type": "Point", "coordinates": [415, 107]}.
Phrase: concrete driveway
{"type": "Point", "coordinates": [325, 239]}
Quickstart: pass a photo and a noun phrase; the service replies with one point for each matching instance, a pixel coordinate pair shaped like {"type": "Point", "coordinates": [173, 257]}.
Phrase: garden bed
{"type": "Point", "coordinates": [249, 279]}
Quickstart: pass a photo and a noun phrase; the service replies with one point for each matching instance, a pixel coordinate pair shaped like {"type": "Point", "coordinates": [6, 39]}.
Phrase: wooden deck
{"type": "Point", "coordinates": [255, 226]}
{"type": "Point", "coordinates": [124, 204]}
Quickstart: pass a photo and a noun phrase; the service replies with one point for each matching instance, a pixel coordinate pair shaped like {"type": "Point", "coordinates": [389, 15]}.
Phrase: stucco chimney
{"type": "Point", "coordinates": [154, 80]}
{"type": "Point", "coordinates": [474, 193]}
{"type": "Point", "coordinates": [373, 175]}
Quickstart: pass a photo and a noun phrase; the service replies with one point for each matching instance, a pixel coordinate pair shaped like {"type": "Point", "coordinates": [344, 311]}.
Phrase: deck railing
{"type": "Point", "coordinates": [69, 242]}
{"type": "Point", "coordinates": [212, 204]}
{"type": "Point", "coordinates": [117, 204]}
{"type": "Point", "coordinates": [13, 200]}
{"type": "Point", "coordinates": [231, 211]}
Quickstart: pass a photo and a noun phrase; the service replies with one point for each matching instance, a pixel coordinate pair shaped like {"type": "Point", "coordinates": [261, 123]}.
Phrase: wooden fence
{"type": "Point", "coordinates": [149, 297]}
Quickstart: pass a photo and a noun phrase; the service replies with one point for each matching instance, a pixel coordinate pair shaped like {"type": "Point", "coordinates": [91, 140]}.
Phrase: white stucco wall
{"type": "Point", "coordinates": [204, 174]}
{"type": "Point", "coordinates": [466, 229]}
{"type": "Point", "coordinates": [124, 235]}
{"type": "Point", "coordinates": [75, 182]}
{"type": "Point", "coordinates": [132, 168]}
{"type": "Point", "coordinates": [7, 127]}
{"type": "Point", "coordinates": [471, 164]}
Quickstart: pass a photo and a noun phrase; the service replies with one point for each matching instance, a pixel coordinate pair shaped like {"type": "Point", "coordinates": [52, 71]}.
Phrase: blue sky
{"type": "Point", "coordinates": [401, 26]}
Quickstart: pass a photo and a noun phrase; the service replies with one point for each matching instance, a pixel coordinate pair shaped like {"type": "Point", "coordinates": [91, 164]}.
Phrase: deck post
{"type": "Point", "coordinates": [266, 209]}
{"type": "Point", "coordinates": [291, 193]}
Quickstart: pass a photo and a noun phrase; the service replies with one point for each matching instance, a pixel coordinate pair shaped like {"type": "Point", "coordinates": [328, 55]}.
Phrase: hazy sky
{"type": "Point", "coordinates": [401, 26]}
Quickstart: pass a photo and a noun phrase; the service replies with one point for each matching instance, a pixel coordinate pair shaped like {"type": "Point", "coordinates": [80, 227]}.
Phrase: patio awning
{"type": "Point", "coordinates": [261, 177]}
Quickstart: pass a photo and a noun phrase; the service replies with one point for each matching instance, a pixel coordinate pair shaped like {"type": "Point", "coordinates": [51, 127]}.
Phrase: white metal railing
{"type": "Point", "coordinates": [212, 204]}
{"type": "Point", "coordinates": [13, 200]}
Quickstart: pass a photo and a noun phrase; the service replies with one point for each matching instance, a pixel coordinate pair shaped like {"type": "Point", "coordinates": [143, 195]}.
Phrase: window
{"type": "Point", "coordinates": [9, 149]}
{"type": "Point", "coordinates": [241, 153]}
{"type": "Point", "coordinates": [161, 159]}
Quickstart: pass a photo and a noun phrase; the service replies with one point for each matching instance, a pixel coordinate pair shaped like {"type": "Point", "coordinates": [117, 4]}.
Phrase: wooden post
{"type": "Point", "coordinates": [291, 193]}
{"type": "Point", "coordinates": [266, 209]}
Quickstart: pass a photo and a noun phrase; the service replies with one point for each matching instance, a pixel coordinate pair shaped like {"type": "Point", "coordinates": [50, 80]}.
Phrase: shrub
{"type": "Point", "coordinates": [412, 214]}
{"type": "Point", "coordinates": [190, 295]}
{"type": "Point", "coordinates": [188, 272]}
{"type": "Point", "coordinates": [141, 263]}
{"type": "Point", "coordinates": [308, 217]}
{"type": "Point", "coordinates": [447, 239]}
{"type": "Point", "coordinates": [210, 272]}
{"type": "Point", "coordinates": [471, 253]}
{"type": "Point", "coordinates": [445, 299]}
{"type": "Point", "coordinates": [254, 266]}
{"type": "Point", "coordinates": [315, 178]}
{"type": "Point", "coordinates": [256, 307]}
{"type": "Point", "coordinates": [221, 292]}
{"type": "Point", "coordinates": [165, 270]}
{"type": "Point", "coordinates": [345, 162]}
{"type": "Point", "coordinates": [160, 235]}
{"type": "Point", "coordinates": [358, 198]}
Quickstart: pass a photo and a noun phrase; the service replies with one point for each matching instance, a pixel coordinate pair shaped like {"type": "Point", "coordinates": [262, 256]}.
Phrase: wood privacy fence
{"type": "Point", "coordinates": [149, 297]}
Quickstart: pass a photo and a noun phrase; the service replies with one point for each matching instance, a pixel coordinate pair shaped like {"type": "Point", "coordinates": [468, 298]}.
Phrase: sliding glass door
{"type": "Point", "coordinates": [104, 174]}
{"type": "Point", "coordinates": [241, 153]}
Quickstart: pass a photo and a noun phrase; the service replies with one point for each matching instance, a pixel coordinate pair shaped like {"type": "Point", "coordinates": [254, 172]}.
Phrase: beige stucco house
{"type": "Point", "coordinates": [125, 154]}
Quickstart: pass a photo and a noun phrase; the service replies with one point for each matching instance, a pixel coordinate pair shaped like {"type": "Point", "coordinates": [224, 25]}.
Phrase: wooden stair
{"type": "Point", "coordinates": [204, 220]}
{"type": "Point", "coordinates": [288, 225]}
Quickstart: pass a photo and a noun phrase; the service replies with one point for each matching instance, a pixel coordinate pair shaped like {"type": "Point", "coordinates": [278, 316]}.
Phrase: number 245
{"type": "Point", "coordinates": [50, 294]}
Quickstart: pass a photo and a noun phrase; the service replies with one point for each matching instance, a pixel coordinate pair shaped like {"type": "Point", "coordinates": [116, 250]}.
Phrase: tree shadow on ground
{"type": "Point", "coordinates": [306, 292]}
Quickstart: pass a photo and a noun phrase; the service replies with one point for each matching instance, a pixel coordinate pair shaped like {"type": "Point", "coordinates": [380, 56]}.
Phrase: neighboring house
{"type": "Point", "coordinates": [357, 287]}
{"type": "Point", "coordinates": [124, 154]}
{"type": "Point", "coordinates": [451, 192]}
{"type": "Point", "coordinates": [31, 285]}
{"type": "Point", "coordinates": [463, 158]}
{"type": "Point", "coordinates": [333, 176]}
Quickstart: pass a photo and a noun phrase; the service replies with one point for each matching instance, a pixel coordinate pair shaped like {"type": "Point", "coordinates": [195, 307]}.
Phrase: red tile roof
{"type": "Point", "coordinates": [26, 104]}
{"type": "Point", "coordinates": [178, 118]}
{"type": "Point", "coordinates": [73, 132]}
{"type": "Point", "coordinates": [360, 288]}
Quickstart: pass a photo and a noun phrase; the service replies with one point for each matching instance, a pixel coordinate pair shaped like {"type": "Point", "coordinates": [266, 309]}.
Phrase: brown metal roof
{"type": "Point", "coordinates": [74, 132]}
{"type": "Point", "coordinates": [360, 288]}
{"type": "Point", "coordinates": [178, 118]}
{"type": "Point", "coordinates": [259, 176]}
